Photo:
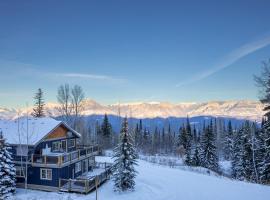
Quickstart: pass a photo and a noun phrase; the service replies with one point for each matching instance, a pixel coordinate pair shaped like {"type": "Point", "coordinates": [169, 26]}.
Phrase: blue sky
{"type": "Point", "coordinates": [133, 50]}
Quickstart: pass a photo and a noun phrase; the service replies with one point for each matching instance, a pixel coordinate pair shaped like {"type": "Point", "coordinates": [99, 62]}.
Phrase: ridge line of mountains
{"type": "Point", "coordinates": [239, 109]}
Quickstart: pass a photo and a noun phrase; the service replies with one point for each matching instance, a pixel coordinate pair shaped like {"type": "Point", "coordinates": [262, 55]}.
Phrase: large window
{"type": "Point", "coordinates": [57, 146]}
{"type": "Point", "coordinates": [46, 174]}
{"type": "Point", "coordinates": [20, 171]}
{"type": "Point", "coordinates": [78, 167]}
{"type": "Point", "coordinates": [71, 143]}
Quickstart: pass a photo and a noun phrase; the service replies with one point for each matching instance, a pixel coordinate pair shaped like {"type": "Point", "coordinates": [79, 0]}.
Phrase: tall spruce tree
{"type": "Point", "coordinates": [7, 171]}
{"type": "Point", "coordinates": [38, 110]}
{"type": "Point", "coordinates": [247, 152]}
{"type": "Point", "coordinates": [209, 150]}
{"type": "Point", "coordinates": [263, 82]}
{"type": "Point", "coordinates": [228, 146]}
{"type": "Point", "coordinates": [106, 129]}
{"type": "Point", "coordinates": [237, 159]}
{"type": "Point", "coordinates": [125, 156]}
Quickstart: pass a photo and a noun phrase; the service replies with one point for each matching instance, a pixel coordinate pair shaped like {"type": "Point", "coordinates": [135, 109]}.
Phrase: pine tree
{"type": "Point", "coordinates": [228, 146]}
{"type": "Point", "coordinates": [247, 151]}
{"type": "Point", "coordinates": [209, 151]}
{"type": "Point", "coordinates": [196, 161]}
{"type": "Point", "coordinates": [106, 129]}
{"type": "Point", "coordinates": [38, 110]}
{"type": "Point", "coordinates": [125, 156]}
{"type": "Point", "coordinates": [7, 171]}
{"type": "Point", "coordinates": [265, 175]}
{"type": "Point", "coordinates": [237, 159]}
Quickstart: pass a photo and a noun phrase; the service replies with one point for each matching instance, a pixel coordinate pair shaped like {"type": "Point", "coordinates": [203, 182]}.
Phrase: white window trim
{"type": "Point", "coordinates": [46, 170]}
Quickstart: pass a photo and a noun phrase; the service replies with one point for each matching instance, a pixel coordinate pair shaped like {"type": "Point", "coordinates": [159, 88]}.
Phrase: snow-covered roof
{"type": "Point", "coordinates": [15, 131]}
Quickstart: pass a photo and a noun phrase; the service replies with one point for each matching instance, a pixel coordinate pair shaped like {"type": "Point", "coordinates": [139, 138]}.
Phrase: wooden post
{"type": "Point", "coordinates": [45, 159]}
{"type": "Point", "coordinates": [96, 183]}
{"type": "Point", "coordinates": [69, 185]}
{"type": "Point", "coordinates": [59, 183]}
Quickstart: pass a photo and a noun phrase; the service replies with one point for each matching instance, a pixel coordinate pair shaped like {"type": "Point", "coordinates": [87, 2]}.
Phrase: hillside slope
{"type": "Point", "coordinates": [160, 183]}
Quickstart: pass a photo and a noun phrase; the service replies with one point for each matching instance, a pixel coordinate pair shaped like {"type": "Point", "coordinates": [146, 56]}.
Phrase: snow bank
{"type": "Point", "coordinates": [156, 182]}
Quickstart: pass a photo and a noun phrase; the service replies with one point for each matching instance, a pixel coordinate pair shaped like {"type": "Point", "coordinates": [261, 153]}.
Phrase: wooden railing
{"type": "Point", "coordinates": [85, 185]}
{"type": "Point", "coordinates": [64, 158]}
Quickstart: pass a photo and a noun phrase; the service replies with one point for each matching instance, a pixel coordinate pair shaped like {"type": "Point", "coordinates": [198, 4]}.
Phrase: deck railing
{"type": "Point", "coordinates": [84, 185]}
{"type": "Point", "coordinates": [64, 158]}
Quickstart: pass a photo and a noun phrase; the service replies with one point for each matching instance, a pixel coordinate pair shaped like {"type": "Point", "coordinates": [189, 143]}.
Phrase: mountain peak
{"type": "Point", "coordinates": [242, 109]}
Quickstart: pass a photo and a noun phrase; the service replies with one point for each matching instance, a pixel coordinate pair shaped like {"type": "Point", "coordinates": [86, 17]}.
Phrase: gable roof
{"type": "Point", "coordinates": [15, 131]}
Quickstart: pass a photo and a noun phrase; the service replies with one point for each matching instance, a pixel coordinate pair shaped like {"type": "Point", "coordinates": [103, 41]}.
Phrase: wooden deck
{"type": "Point", "coordinates": [87, 183]}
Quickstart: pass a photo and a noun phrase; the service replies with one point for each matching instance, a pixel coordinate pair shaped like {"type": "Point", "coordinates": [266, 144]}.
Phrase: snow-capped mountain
{"type": "Point", "coordinates": [243, 109]}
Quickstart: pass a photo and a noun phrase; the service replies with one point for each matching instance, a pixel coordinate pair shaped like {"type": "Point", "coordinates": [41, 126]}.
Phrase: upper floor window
{"type": "Point", "coordinates": [71, 143]}
{"type": "Point", "coordinates": [56, 146]}
{"type": "Point", "coordinates": [46, 174]}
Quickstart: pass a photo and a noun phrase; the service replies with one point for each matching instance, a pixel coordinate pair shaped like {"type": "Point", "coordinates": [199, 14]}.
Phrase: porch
{"type": "Point", "coordinates": [88, 181]}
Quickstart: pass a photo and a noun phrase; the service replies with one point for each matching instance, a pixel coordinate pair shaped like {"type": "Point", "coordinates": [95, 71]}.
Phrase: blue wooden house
{"type": "Point", "coordinates": [48, 149]}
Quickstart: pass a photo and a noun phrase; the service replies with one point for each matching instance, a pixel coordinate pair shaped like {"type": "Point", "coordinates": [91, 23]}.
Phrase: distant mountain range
{"type": "Point", "coordinates": [242, 109]}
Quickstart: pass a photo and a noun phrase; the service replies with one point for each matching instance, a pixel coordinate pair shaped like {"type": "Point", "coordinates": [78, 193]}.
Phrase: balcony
{"type": "Point", "coordinates": [59, 159]}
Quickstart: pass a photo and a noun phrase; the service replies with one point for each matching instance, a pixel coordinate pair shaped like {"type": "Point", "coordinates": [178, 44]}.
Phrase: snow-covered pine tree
{"type": "Point", "coordinates": [247, 151]}
{"type": "Point", "coordinates": [38, 110]}
{"type": "Point", "coordinates": [7, 171]}
{"type": "Point", "coordinates": [228, 146]}
{"type": "Point", "coordinates": [188, 149]}
{"type": "Point", "coordinates": [263, 81]}
{"type": "Point", "coordinates": [209, 156]}
{"type": "Point", "coordinates": [265, 174]}
{"type": "Point", "coordinates": [125, 156]}
{"type": "Point", "coordinates": [237, 159]}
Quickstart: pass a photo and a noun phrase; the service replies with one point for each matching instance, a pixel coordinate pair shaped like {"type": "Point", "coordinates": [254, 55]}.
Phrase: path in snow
{"type": "Point", "coordinates": [162, 183]}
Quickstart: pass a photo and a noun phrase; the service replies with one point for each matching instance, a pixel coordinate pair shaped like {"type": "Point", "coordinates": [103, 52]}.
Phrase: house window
{"type": "Point", "coordinates": [78, 167]}
{"type": "Point", "coordinates": [46, 174]}
{"type": "Point", "coordinates": [71, 143]}
{"type": "Point", "coordinates": [20, 171]}
{"type": "Point", "coordinates": [56, 146]}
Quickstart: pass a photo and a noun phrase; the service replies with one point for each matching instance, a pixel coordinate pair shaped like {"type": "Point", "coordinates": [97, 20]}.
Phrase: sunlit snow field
{"type": "Point", "coordinates": [155, 182]}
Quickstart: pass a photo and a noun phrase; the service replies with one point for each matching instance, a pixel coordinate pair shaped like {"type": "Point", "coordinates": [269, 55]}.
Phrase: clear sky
{"type": "Point", "coordinates": [141, 50]}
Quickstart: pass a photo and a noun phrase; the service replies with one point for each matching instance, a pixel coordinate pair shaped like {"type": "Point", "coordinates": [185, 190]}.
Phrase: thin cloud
{"type": "Point", "coordinates": [92, 76]}
{"type": "Point", "coordinates": [231, 58]}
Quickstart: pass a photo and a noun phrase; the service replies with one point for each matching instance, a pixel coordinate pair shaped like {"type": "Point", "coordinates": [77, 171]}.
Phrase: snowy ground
{"type": "Point", "coordinates": [156, 182]}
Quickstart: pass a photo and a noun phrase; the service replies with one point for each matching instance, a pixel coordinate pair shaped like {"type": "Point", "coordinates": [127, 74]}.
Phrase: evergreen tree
{"type": "Point", "coordinates": [237, 159]}
{"type": "Point", "coordinates": [125, 156]}
{"type": "Point", "coordinates": [264, 82]}
{"type": "Point", "coordinates": [106, 129]}
{"type": "Point", "coordinates": [196, 161]}
{"type": "Point", "coordinates": [228, 146]}
{"type": "Point", "coordinates": [38, 110]}
{"type": "Point", "coordinates": [209, 153]}
{"type": "Point", "coordinates": [247, 151]}
{"type": "Point", "coordinates": [188, 149]}
{"type": "Point", "coordinates": [7, 171]}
